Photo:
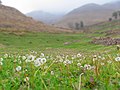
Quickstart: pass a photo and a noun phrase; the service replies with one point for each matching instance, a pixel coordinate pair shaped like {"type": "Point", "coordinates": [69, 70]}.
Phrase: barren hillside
{"type": "Point", "coordinates": [13, 20]}
{"type": "Point", "coordinates": [90, 14]}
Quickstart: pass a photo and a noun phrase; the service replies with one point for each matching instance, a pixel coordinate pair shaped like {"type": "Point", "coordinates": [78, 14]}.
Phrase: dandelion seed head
{"type": "Point", "coordinates": [18, 68]}
{"type": "Point", "coordinates": [26, 79]}
{"type": "Point", "coordinates": [117, 59]}
{"type": "Point", "coordinates": [78, 64]}
{"type": "Point", "coordinates": [1, 59]}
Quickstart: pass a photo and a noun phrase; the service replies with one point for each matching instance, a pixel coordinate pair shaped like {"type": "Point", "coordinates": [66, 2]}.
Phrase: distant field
{"type": "Point", "coordinates": [47, 41]}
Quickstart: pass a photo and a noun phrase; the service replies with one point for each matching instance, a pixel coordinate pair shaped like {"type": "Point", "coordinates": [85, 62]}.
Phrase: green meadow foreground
{"type": "Point", "coordinates": [59, 61]}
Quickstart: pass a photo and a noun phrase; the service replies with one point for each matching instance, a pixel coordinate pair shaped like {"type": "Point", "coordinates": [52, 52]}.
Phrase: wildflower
{"type": "Point", "coordinates": [103, 58]}
{"type": "Point", "coordinates": [87, 66]}
{"type": "Point", "coordinates": [79, 55]}
{"type": "Point", "coordinates": [26, 79]}
{"type": "Point", "coordinates": [6, 56]}
{"type": "Point", "coordinates": [30, 58]}
{"type": "Point", "coordinates": [67, 62]}
{"type": "Point", "coordinates": [1, 63]}
{"type": "Point", "coordinates": [45, 67]}
{"type": "Point", "coordinates": [118, 47]}
{"type": "Point", "coordinates": [18, 68]}
{"type": "Point", "coordinates": [23, 57]}
{"type": "Point", "coordinates": [117, 59]}
{"type": "Point", "coordinates": [61, 60]}
{"type": "Point", "coordinates": [52, 72]}
{"type": "Point", "coordinates": [73, 57]}
{"type": "Point", "coordinates": [109, 61]}
{"type": "Point", "coordinates": [37, 63]}
{"type": "Point", "coordinates": [43, 60]}
{"type": "Point", "coordinates": [94, 57]}
{"type": "Point", "coordinates": [78, 64]}
{"type": "Point", "coordinates": [99, 57]}
{"type": "Point", "coordinates": [102, 64]}
{"type": "Point", "coordinates": [42, 55]}
{"type": "Point", "coordinates": [1, 59]}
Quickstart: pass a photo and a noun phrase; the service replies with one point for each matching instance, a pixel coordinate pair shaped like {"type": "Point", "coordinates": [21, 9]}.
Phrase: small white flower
{"type": "Point", "coordinates": [79, 55]}
{"type": "Point", "coordinates": [26, 79]}
{"type": "Point", "coordinates": [18, 68]}
{"type": "Point", "coordinates": [94, 56]}
{"type": "Point", "coordinates": [102, 64]}
{"type": "Point", "coordinates": [30, 58]}
{"type": "Point", "coordinates": [42, 55]}
{"type": "Point", "coordinates": [87, 66]}
{"type": "Point", "coordinates": [99, 57]}
{"type": "Point", "coordinates": [109, 61]}
{"type": "Point", "coordinates": [43, 60]}
{"type": "Point", "coordinates": [67, 62]}
{"type": "Point", "coordinates": [1, 59]}
{"type": "Point", "coordinates": [1, 63]}
{"type": "Point", "coordinates": [103, 58]}
{"type": "Point", "coordinates": [52, 72]}
{"type": "Point", "coordinates": [45, 67]}
{"type": "Point", "coordinates": [117, 59]}
{"type": "Point", "coordinates": [78, 64]}
{"type": "Point", "coordinates": [61, 60]}
{"type": "Point", "coordinates": [73, 57]}
{"type": "Point", "coordinates": [23, 57]}
{"type": "Point", "coordinates": [6, 56]}
{"type": "Point", "coordinates": [37, 63]}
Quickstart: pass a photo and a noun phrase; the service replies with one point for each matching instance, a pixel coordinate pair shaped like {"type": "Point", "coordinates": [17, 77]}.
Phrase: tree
{"type": "Point", "coordinates": [119, 13]}
{"type": "Point", "coordinates": [77, 26]}
{"type": "Point", "coordinates": [81, 24]}
{"type": "Point", "coordinates": [115, 15]}
{"type": "Point", "coordinates": [110, 19]}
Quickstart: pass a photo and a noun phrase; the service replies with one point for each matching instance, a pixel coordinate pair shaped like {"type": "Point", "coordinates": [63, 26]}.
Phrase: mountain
{"type": "Point", "coordinates": [90, 14]}
{"type": "Point", "coordinates": [113, 5]}
{"type": "Point", "coordinates": [12, 20]}
{"type": "Point", "coordinates": [45, 17]}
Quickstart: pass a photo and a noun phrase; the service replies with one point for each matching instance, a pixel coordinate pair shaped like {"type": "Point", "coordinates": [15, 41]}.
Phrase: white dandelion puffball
{"type": "Point", "coordinates": [18, 68]}
{"type": "Point", "coordinates": [117, 59]}
{"type": "Point", "coordinates": [1, 59]}
{"type": "Point", "coordinates": [37, 63]}
{"type": "Point", "coordinates": [78, 64]}
{"type": "Point", "coordinates": [43, 60]}
{"type": "Point", "coordinates": [23, 57]}
{"type": "Point", "coordinates": [30, 58]}
{"type": "Point", "coordinates": [26, 79]}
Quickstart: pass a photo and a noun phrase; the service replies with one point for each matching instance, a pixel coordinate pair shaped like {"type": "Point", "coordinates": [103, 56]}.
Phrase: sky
{"type": "Point", "coordinates": [51, 6]}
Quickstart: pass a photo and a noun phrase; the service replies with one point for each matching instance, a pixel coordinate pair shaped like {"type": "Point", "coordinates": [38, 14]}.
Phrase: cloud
{"type": "Point", "coordinates": [49, 5]}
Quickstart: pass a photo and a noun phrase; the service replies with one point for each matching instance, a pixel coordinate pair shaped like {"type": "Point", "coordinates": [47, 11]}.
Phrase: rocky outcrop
{"type": "Point", "coordinates": [107, 41]}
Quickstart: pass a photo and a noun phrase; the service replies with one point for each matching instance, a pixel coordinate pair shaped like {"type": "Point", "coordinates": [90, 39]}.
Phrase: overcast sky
{"type": "Point", "coordinates": [52, 6]}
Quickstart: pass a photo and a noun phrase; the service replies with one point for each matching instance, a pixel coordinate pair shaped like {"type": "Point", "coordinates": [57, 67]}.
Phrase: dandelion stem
{"type": "Point", "coordinates": [49, 67]}
{"type": "Point", "coordinates": [36, 71]}
{"type": "Point", "coordinates": [80, 81]}
{"type": "Point", "coordinates": [43, 83]}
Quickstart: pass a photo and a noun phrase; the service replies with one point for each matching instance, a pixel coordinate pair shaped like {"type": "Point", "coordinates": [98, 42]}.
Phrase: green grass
{"type": "Point", "coordinates": [61, 72]}
{"type": "Point", "coordinates": [64, 69]}
{"type": "Point", "coordinates": [46, 41]}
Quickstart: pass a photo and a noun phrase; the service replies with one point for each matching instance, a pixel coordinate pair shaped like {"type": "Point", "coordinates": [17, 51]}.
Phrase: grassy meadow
{"type": "Point", "coordinates": [58, 61]}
